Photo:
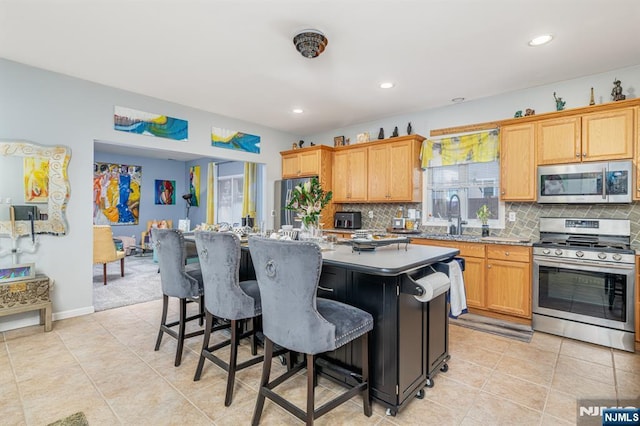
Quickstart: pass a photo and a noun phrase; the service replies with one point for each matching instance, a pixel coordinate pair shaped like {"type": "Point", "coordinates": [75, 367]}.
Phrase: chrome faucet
{"type": "Point", "coordinates": [457, 228]}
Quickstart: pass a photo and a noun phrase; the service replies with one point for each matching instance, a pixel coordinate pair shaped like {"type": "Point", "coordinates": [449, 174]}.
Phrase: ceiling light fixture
{"type": "Point", "coordinates": [310, 43]}
{"type": "Point", "coordinates": [297, 110]}
{"type": "Point", "coordinates": [540, 40]}
{"type": "Point", "coordinates": [457, 100]}
{"type": "Point", "coordinates": [386, 85]}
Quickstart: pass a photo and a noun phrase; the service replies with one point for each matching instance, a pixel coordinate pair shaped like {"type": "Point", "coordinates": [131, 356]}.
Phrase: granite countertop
{"type": "Point", "coordinates": [470, 238]}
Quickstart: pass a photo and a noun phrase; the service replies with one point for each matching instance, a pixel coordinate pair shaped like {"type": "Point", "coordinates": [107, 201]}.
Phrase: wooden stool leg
{"type": "Point", "coordinates": [266, 372]}
{"type": "Point", "coordinates": [366, 398]}
{"type": "Point", "coordinates": [182, 324]}
{"type": "Point", "coordinates": [233, 361]}
{"type": "Point", "coordinates": [163, 320]}
{"type": "Point", "coordinates": [254, 341]}
{"type": "Point", "coordinates": [310, 388]}
{"type": "Point", "coordinates": [104, 273]}
{"type": "Point", "coordinates": [205, 345]}
{"type": "Point", "coordinates": [121, 267]}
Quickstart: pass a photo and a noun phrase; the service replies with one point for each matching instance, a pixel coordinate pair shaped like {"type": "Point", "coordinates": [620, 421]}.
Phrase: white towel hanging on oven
{"type": "Point", "coordinates": [457, 296]}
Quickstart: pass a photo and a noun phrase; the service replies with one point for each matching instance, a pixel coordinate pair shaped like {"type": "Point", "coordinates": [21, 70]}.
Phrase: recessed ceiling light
{"type": "Point", "coordinates": [386, 85]}
{"type": "Point", "coordinates": [457, 100]}
{"type": "Point", "coordinates": [540, 40]}
{"type": "Point", "coordinates": [297, 110]}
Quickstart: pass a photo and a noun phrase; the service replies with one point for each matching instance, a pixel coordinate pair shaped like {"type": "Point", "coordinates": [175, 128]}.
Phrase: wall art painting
{"type": "Point", "coordinates": [20, 272]}
{"type": "Point", "coordinates": [116, 194]}
{"type": "Point", "coordinates": [36, 180]}
{"type": "Point", "coordinates": [194, 185]}
{"type": "Point", "coordinates": [148, 123]}
{"type": "Point", "coordinates": [233, 139]}
{"type": "Point", "coordinates": [165, 191]}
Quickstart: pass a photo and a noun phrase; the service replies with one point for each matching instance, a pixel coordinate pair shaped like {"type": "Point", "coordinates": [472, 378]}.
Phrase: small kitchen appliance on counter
{"type": "Point", "coordinates": [398, 223]}
{"type": "Point", "coordinates": [347, 220]}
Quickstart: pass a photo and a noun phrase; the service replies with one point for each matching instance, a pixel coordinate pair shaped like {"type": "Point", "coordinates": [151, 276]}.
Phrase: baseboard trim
{"type": "Point", "coordinates": [73, 313]}
{"type": "Point", "coordinates": [27, 319]}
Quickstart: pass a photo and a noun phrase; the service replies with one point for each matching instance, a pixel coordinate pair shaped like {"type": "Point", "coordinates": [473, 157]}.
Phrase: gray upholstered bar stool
{"type": "Point", "coordinates": [293, 317]}
{"type": "Point", "coordinates": [225, 296]}
{"type": "Point", "coordinates": [180, 281]}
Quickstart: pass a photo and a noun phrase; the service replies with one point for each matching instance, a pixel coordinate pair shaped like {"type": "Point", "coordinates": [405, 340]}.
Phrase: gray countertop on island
{"type": "Point", "coordinates": [387, 260]}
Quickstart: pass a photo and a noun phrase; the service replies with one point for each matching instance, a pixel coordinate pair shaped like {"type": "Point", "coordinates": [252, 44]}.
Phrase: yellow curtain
{"type": "Point", "coordinates": [473, 148]}
{"type": "Point", "coordinates": [211, 193]}
{"type": "Point", "coordinates": [250, 192]}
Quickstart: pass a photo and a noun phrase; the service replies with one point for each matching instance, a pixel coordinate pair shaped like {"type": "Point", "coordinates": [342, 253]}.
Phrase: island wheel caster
{"type": "Point", "coordinates": [391, 412]}
{"type": "Point", "coordinates": [420, 394]}
{"type": "Point", "coordinates": [429, 383]}
{"type": "Point", "coordinates": [444, 368]}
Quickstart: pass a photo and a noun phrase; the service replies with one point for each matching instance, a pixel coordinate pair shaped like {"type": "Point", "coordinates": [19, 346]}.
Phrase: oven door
{"type": "Point", "coordinates": [585, 291]}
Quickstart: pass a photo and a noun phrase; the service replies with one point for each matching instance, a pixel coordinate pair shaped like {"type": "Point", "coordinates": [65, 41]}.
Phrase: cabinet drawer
{"type": "Point", "coordinates": [509, 252]}
{"type": "Point", "coordinates": [466, 249]}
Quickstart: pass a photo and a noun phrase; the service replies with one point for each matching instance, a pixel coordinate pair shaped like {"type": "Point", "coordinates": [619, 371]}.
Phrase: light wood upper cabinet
{"type": "Point", "coordinates": [599, 136]}
{"type": "Point", "coordinates": [394, 172]}
{"type": "Point", "coordinates": [558, 140]}
{"type": "Point", "coordinates": [517, 163]}
{"type": "Point", "coordinates": [302, 163]}
{"type": "Point", "coordinates": [350, 175]}
{"type": "Point", "coordinates": [608, 135]}
{"type": "Point", "coordinates": [636, 164]}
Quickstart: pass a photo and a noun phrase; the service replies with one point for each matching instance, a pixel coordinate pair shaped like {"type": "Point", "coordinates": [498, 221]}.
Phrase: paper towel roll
{"type": "Point", "coordinates": [433, 285]}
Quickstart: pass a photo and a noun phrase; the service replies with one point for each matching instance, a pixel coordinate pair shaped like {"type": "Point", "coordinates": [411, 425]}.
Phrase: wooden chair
{"type": "Point", "coordinates": [104, 249]}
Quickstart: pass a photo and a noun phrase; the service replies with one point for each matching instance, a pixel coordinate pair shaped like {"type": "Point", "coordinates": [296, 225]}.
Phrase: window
{"type": "Point", "coordinates": [474, 183]}
{"type": "Point", "coordinates": [229, 203]}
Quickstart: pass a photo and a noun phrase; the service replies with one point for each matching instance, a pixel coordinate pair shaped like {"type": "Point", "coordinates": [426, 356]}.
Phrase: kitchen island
{"type": "Point", "coordinates": [409, 340]}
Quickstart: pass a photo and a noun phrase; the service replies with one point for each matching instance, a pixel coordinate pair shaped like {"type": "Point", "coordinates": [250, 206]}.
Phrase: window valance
{"type": "Point", "coordinates": [480, 147]}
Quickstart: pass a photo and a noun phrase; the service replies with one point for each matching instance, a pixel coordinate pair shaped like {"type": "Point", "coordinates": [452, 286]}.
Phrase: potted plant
{"type": "Point", "coordinates": [307, 201]}
{"type": "Point", "coordinates": [483, 215]}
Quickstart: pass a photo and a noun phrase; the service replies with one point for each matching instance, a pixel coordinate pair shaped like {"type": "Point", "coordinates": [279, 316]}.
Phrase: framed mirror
{"type": "Point", "coordinates": [35, 183]}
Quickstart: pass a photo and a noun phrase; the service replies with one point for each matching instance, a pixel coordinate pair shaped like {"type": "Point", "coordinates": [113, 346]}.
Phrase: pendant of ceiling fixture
{"type": "Point", "coordinates": [310, 43]}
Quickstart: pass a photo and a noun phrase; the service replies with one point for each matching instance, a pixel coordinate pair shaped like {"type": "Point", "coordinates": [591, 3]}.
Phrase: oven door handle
{"type": "Point", "coordinates": [565, 263]}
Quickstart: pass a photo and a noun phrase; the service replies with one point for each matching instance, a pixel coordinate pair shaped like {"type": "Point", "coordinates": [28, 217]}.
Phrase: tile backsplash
{"type": "Point", "coordinates": [527, 216]}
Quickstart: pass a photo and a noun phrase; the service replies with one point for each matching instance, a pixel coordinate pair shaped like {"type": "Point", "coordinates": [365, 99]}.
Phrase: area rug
{"type": "Point", "coordinates": [494, 326]}
{"type": "Point", "coordinates": [76, 419]}
{"type": "Point", "coordinates": [141, 283]}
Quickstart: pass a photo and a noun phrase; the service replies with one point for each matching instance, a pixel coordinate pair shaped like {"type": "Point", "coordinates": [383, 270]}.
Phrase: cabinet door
{"type": "Point", "coordinates": [358, 176]}
{"type": "Point", "coordinates": [517, 163]}
{"type": "Point", "coordinates": [400, 171]}
{"type": "Point", "coordinates": [509, 287]}
{"type": "Point", "coordinates": [341, 176]}
{"type": "Point", "coordinates": [474, 282]}
{"type": "Point", "coordinates": [558, 141]}
{"type": "Point", "coordinates": [309, 163]}
{"type": "Point", "coordinates": [607, 135]}
{"type": "Point", "coordinates": [290, 166]}
{"type": "Point", "coordinates": [379, 166]}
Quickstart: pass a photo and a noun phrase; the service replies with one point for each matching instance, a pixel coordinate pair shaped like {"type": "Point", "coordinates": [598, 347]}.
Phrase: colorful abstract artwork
{"type": "Point", "coordinates": [147, 123]}
{"type": "Point", "coordinates": [232, 139]}
{"type": "Point", "coordinates": [194, 185]}
{"type": "Point", "coordinates": [17, 272]}
{"type": "Point", "coordinates": [36, 180]}
{"type": "Point", "coordinates": [165, 191]}
{"type": "Point", "coordinates": [116, 194]}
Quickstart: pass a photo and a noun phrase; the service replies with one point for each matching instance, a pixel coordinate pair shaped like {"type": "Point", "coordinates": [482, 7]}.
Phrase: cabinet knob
{"type": "Point", "coordinates": [584, 154]}
{"type": "Point", "coordinates": [489, 266]}
{"type": "Point", "coordinates": [502, 193]}
{"type": "Point", "coordinates": [578, 155]}
{"type": "Point", "coordinates": [506, 253]}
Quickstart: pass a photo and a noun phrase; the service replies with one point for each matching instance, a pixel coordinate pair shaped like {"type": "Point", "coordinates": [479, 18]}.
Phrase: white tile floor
{"type": "Point", "coordinates": [104, 365]}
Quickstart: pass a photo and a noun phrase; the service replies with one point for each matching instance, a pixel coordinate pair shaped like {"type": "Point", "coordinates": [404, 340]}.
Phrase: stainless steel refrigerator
{"type": "Point", "coordinates": [283, 191]}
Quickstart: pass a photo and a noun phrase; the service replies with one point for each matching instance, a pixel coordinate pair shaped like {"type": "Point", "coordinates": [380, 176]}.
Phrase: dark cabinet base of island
{"type": "Point", "coordinates": [409, 342]}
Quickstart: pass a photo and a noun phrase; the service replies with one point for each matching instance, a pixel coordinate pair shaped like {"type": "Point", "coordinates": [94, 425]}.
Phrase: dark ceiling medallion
{"type": "Point", "coordinates": [310, 43]}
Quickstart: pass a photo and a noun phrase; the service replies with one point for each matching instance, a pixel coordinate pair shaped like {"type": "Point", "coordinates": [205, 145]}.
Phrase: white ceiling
{"type": "Point", "coordinates": [236, 58]}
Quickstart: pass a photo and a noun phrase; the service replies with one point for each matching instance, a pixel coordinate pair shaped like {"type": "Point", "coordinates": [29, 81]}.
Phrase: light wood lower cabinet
{"type": "Point", "coordinates": [497, 278]}
{"type": "Point", "coordinates": [637, 302]}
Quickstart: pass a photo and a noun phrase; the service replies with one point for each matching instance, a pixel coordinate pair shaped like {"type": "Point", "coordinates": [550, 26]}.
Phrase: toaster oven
{"type": "Point", "coordinates": [347, 220]}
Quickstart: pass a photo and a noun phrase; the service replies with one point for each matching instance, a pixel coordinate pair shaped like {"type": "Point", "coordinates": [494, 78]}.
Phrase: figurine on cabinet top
{"type": "Point", "coordinates": [381, 133]}
{"type": "Point", "coordinates": [409, 129]}
{"type": "Point", "coordinates": [301, 143]}
{"type": "Point", "coordinates": [395, 132]}
{"type": "Point", "coordinates": [530, 111]}
{"type": "Point", "coordinates": [559, 102]}
{"type": "Point", "coordinates": [518, 114]}
{"type": "Point", "coordinates": [616, 92]}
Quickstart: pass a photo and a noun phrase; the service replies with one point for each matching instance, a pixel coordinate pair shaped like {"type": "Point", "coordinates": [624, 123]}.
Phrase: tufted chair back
{"type": "Point", "coordinates": [288, 273]}
{"type": "Point", "coordinates": [170, 248]}
{"type": "Point", "coordinates": [219, 254]}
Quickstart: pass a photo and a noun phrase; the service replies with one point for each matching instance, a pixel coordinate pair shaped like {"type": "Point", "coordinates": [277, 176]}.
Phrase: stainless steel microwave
{"type": "Point", "coordinates": [597, 182]}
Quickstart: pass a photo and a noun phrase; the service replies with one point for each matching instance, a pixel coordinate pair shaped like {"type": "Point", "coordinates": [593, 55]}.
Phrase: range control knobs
{"type": "Point", "coordinates": [617, 257]}
{"type": "Point", "coordinates": [579, 253]}
{"type": "Point", "coordinates": [602, 256]}
{"type": "Point", "coordinates": [546, 251]}
{"type": "Point", "coordinates": [558, 252]}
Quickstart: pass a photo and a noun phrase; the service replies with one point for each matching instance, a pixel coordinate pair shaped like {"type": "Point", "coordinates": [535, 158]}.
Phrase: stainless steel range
{"type": "Point", "coordinates": [584, 279]}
